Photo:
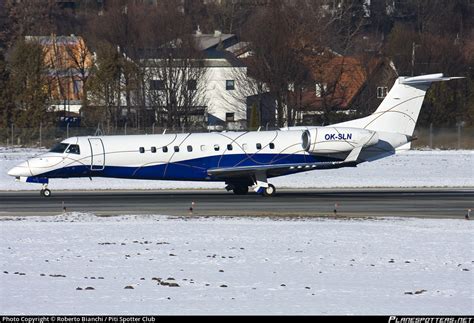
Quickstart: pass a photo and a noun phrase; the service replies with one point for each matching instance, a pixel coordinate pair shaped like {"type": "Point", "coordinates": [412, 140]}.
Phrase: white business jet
{"type": "Point", "coordinates": [240, 159]}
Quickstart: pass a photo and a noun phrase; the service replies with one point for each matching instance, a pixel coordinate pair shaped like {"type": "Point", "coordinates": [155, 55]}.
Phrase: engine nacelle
{"type": "Point", "coordinates": [331, 140]}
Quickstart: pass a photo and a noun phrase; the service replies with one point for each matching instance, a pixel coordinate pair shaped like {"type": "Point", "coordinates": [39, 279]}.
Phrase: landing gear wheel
{"type": "Point", "coordinates": [46, 192]}
{"type": "Point", "coordinates": [241, 190]}
{"type": "Point", "coordinates": [269, 191]}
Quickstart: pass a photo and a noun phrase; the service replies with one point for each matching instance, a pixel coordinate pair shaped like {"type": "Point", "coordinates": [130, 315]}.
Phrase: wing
{"type": "Point", "coordinates": [275, 169]}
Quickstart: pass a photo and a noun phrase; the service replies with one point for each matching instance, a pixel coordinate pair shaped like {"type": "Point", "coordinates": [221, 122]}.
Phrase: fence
{"type": "Point", "coordinates": [436, 138]}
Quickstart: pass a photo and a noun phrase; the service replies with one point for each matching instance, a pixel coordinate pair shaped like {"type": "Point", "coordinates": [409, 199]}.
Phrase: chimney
{"type": "Point", "coordinates": [198, 31]}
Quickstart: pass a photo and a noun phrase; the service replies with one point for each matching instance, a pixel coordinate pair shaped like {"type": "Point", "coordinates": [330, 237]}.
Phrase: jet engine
{"type": "Point", "coordinates": [330, 140]}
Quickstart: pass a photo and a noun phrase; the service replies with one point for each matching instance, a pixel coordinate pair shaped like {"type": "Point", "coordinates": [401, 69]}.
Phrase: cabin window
{"type": "Point", "coordinates": [58, 148]}
{"type": "Point", "coordinates": [165, 149]}
{"type": "Point", "coordinates": [142, 150]}
{"type": "Point", "coordinates": [259, 146]}
{"type": "Point", "coordinates": [203, 147]}
{"type": "Point", "coordinates": [229, 85]}
{"type": "Point", "coordinates": [272, 145]}
{"type": "Point", "coordinates": [381, 92]}
{"type": "Point", "coordinates": [229, 147]}
{"type": "Point", "coordinates": [153, 149]}
{"type": "Point", "coordinates": [245, 147]}
{"type": "Point", "coordinates": [176, 149]}
{"type": "Point", "coordinates": [216, 147]}
{"type": "Point", "coordinates": [73, 149]}
{"type": "Point", "coordinates": [190, 148]}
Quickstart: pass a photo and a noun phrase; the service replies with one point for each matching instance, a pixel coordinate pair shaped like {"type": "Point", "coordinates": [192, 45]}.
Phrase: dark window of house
{"type": "Point", "coordinates": [272, 145]}
{"type": "Point", "coordinates": [176, 149]}
{"type": "Point", "coordinates": [190, 148]}
{"type": "Point", "coordinates": [142, 150]}
{"type": "Point", "coordinates": [230, 85]}
{"type": "Point", "coordinates": [259, 146]}
{"type": "Point", "coordinates": [157, 85]}
{"type": "Point", "coordinates": [192, 85]}
{"type": "Point", "coordinates": [153, 149]}
{"type": "Point", "coordinates": [229, 147]}
{"type": "Point", "coordinates": [382, 92]}
{"type": "Point", "coordinates": [165, 149]}
{"type": "Point", "coordinates": [216, 147]}
{"type": "Point", "coordinates": [229, 117]}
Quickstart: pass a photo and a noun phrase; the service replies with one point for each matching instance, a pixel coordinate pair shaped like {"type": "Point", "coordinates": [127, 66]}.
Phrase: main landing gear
{"type": "Point", "coordinates": [269, 191]}
{"type": "Point", "coordinates": [261, 186]}
{"type": "Point", "coordinates": [45, 192]}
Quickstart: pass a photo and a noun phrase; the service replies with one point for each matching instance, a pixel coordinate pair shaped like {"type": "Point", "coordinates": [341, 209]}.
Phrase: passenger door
{"type": "Point", "coordinates": [97, 154]}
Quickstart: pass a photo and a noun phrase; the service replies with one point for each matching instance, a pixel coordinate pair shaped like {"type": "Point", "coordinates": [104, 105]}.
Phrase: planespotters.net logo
{"type": "Point", "coordinates": [447, 319]}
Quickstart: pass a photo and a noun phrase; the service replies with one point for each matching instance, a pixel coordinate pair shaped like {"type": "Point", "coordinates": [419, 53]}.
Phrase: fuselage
{"type": "Point", "coordinates": [167, 157]}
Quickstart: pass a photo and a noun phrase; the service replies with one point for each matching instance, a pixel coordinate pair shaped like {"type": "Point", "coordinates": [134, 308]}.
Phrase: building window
{"type": "Point", "coordinates": [157, 85]}
{"type": "Point", "coordinates": [229, 117]}
{"type": "Point", "coordinates": [142, 150]}
{"type": "Point", "coordinates": [230, 85]}
{"type": "Point", "coordinates": [320, 89]}
{"type": "Point", "coordinates": [259, 146]}
{"type": "Point", "coordinates": [216, 147]}
{"type": "Point", "coordinates": [176, 149]}
{"type": "Point", "coordinates": [272, 145]}
{"type": "Point", "coordinates": [190, 148]}
{"type": "Point", "coordinates": [165, 149]}
{"type": "Point", "coordinates": [77, 86]}
{"type": "Point", "coordinates": [382, 92]}
{"type": "Point", "coordinates": [153, 149]}
{"type": "Point", "coordinates": [192, 85]}
{"type": "Point", "coordinates": [229, 147]}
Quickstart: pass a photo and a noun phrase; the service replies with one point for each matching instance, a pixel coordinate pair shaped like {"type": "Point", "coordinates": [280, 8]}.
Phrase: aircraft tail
{"type": "Point", "coordinates": [400, 109]}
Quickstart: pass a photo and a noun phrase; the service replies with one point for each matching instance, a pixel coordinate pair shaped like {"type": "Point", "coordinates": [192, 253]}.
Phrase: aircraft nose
{"type": "Point", "coordinates": [20, 170]}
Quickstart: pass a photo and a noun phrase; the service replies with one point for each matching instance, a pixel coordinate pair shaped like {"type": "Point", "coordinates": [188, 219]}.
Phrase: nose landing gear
{"type": "Point", "coordinates": [45, 192]}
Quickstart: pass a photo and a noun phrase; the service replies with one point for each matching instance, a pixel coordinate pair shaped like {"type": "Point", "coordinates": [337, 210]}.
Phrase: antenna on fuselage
{"type": "Point", "coordinates": [259, 128]}
{"type": "Point", "coordinates": [164, 131]}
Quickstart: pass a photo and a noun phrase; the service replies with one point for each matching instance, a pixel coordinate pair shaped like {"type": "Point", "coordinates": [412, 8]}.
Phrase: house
{"type": "Point", "coordinates": [345, 85]}
{"type": "Point", "coordinates": [203, 87]}
{"type": "Point", "coordinates": [68, 62]}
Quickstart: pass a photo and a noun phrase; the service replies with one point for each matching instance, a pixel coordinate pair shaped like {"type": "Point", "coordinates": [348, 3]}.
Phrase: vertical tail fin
{"type": "Point", "coordinates": [400, 109]}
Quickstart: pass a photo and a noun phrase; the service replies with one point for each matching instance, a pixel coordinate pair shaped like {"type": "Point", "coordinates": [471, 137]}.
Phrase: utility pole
{"type": "Point", "coordinates": [413, 47]}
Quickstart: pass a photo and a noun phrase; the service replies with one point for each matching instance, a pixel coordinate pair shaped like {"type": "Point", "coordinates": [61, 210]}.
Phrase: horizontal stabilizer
{"type": "Point", "coordinates": [428, 79]}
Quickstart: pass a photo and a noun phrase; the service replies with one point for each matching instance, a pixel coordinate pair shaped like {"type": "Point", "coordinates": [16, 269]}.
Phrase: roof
{"type": "Point", "coordinates": [207, 41]}
{"type": "Point", "coordinates": [342, 76]}
{"type": "Point", "coordinates": [58, 40]}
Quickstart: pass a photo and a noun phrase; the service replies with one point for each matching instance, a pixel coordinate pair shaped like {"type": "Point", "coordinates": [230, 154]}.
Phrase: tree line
{"type": "Point", "coordinates": [284, 37]}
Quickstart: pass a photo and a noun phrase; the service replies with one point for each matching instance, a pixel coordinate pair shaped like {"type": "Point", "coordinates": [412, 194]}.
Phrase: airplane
{"type": "Point", "coordinates": [239, 159]}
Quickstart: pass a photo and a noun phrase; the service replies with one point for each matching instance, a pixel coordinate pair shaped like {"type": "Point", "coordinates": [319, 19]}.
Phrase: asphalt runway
{"type": "Point", "coordinates": [442, 203]}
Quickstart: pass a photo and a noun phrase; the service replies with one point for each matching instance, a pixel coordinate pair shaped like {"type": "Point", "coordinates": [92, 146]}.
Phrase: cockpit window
{"type": "Point", "coordinates": [73, 149]}
{"type": "Point", "coordinates": [59, 148]}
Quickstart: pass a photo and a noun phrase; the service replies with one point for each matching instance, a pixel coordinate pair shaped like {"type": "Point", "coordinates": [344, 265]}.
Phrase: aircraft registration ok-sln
{"type": "Point", "coordinates": [240, 159]}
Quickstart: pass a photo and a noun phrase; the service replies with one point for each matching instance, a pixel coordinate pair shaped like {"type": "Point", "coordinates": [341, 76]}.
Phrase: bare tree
{"type": "Point", "coordinates": [176, 80]}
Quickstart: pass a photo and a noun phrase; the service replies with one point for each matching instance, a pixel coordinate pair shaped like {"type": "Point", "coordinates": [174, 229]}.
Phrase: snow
{"type": "Point", "coordinates": [450, 168]}
{"type": "Point", "coordinates": [270, 266]}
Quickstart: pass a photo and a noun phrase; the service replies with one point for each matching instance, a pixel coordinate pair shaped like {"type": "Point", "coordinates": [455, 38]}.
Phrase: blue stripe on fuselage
{"type": "Point", "coordinates": [191, 169]}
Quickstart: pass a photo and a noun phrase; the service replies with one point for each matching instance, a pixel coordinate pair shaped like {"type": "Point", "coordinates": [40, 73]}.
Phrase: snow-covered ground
{"type": "Point", "coordinates": [82, 264]}
{"type": "Point", "coordinates": [452, 168]}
